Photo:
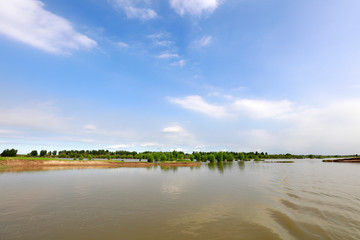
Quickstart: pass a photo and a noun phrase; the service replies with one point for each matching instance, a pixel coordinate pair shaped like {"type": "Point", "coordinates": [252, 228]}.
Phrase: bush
{"type": "Point", "coordinates": [9, 153]}
{"type": "Point", "coordinates": [34, 153]}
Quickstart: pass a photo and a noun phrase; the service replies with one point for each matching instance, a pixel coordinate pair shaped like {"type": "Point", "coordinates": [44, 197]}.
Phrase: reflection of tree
{"type": "Point", "coordinates": [241, 165]}
{"type": "Point", "coordinates": [169, 168]}
{"type": "Point", "coordinates": [212, 166]}
{"type": "Point", "coordinates": [220, 167]}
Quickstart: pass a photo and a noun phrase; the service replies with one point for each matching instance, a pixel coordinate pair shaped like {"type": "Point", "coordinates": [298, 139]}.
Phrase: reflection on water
{"type": "Point", "coordinates": [306, 199]}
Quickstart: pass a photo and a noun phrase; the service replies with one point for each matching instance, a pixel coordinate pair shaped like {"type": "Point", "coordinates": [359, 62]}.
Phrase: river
{"type": "Point", "coordinates": [307, 199]}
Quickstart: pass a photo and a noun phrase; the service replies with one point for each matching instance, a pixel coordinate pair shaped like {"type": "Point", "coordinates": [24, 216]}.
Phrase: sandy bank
{"type": "Point", "coordinates": [74, 163]}
{"type": "Point", "coordinates": [348, 160]}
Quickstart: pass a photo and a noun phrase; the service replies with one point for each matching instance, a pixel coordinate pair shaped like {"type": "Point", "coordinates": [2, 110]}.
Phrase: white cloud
{"type": "Point", "coordinates": [262, 108]}
{"type": "Point", "coordinates": [198, 104]}
{"type": "Point", "coordinates": [42, 116]}
{"type": "Point", "coordinates": [204, 41]}
{"type": "Point", "coordinates": [119, 146]}
{"type": "Point", "coordinates": [123, 45]}
{"type": "Point", "coordinates": [236, 107]}
{"type": "Point", "coordinates": [151, 144]}
{"type": "Point", "coordinates": [132, 9]}
{"type": "Point", "coordinates": [167, 55]}
{"type": "Point", "coordinates": [194, 7]}
{"type": "Point", "coordinates": [27, 21]}
{"type": "Point", "coordinates": [173, 129]}
{"type": "Point", "coordinates": [179, 63]}
{"type": "Point", "coordinates": [89, 127]}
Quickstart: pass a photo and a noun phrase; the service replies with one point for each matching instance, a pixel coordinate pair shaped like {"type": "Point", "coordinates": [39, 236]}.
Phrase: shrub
{"type": "Point", "coordinates": [9, 153]}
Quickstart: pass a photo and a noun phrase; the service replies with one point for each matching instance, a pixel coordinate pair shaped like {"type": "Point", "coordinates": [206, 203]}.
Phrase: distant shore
{"type": "Point", "coordinates": [31, 162]}
{"type": "Point", "coordinates": [349, 160]}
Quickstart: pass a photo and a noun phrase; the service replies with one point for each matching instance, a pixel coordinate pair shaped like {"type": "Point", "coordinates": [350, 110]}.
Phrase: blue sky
{"type": "Point", "coordinates": [252, 75]}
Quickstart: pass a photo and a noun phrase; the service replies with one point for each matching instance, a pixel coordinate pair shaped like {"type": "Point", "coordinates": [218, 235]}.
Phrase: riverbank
{"type": "Point", "coordinates": [348, 160]}
{"type": "Point", "coordinates": [33, 162]}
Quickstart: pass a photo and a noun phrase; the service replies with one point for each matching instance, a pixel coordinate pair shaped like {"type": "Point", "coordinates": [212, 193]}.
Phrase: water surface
{"type": "Point", "coordinates": [306, 199]}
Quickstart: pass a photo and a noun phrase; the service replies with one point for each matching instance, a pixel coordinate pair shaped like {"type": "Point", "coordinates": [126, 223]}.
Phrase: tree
{"type": "Point", "coordinates": [34, 153]}
{"type": "Point", "coordinates": [191, 157]}
{"type": "Point", "coordinates": [242, 156]}
{"type": "Point", "coordinates": [163, 157]}
{"type": "Point", "coordinates": [229, 157]}
{"type": "Point", "coordinates": [90, 157]}
{"type": "Point", "coordinates": [211, 157]}
{"type": "Point", "coordinates": [220, 156]}
{"type": "Point", "coordinates": [9, 153]}
{"type": "Point", "coordinates": [54, 153]}
{"type": "Point", "coordinates": [81, 157]}
{"type": "Point", "coordinates": [43, 153]}
{"type": "Point", "coordinates": [150, 157]}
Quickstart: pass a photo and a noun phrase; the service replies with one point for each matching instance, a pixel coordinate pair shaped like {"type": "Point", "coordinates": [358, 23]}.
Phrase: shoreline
{"type": "Point", "coordinates": [346, 160]}
{"type": "Point", "coordinates": [89, 163]}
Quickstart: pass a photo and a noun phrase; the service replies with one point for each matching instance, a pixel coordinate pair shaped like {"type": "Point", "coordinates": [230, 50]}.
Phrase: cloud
{"type": "Point", "coordinates": [198, 104]}
{"type": "Point", "coordinates": [133, 11]}
{"type": "Point", "coordinates": [179, 63]}
{"type": "Point", "coordinates": [204, 41]}
{"type": "Point", "coordinates": [167, 55]}
{"type": "Point", "coordinates": [40, 116]}
{"type": "Point", "coordinates": [252, 108]}
{"type": "Point", "coordinates": [173, 129]}
{"type": "Point", "coordinates": [263, 108]}
{"type": "Point", "coordinates": [89, 127]}
{"type": "Point", "coordinates": [27, 21]}
{"type": "Point", "coordinates": [194, 7]}
{"type": "Point", "coordinates": [123, 45]}
{"type": "Point", "coordinates": [119, 146]}
{"type": "Point", "coordinates": [151, 144]}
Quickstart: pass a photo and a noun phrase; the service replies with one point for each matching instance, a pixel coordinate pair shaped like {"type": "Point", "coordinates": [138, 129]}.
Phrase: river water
{"type": "Point", "coordinates": [307, 199]}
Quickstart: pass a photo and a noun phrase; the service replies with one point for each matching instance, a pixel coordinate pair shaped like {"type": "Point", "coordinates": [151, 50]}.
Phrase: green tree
{"type": "Point", "coordinates": [163, 157]}
{"type": "Point", "coordinates": [81, 157]}
{"type": "Point", "coordinates": [220, 156]}
{"type": "Point", "coordinates": [191, 157]}
{"type": "Point", "coordinates": [150, 157]}
{"type": "Point", "coordinates": [90, 157]}
{"type": "Point", "coordinates": [229, 157]}
{"type": "Point", "coordinates": [211, 158]}
{"type": "Point", "coordinates": [43, 153]}
{"type": "Point", "coordinates": [34, 153]}
{"type": "Point", "coordinates": [54, 153]}
{"type": "Point", "coordinates": [9, 153]}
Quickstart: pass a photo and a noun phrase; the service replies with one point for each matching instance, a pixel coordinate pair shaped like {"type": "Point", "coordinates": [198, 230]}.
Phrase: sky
{"type": "Point", "coordinates": [192, 75]}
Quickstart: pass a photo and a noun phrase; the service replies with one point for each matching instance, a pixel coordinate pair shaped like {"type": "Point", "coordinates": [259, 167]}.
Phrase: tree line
{"type": "Point", "coordinates": [162, 156]}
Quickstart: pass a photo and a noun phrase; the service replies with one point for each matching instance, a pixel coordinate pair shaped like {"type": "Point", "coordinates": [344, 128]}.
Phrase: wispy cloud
{"type": "Point", "coordinates": [135, 9]}
{"type": "Point", "coordinates": [252, 108]}
{"type": "Point", "coordinates": [89, 127]}
{"type": "Point", "coordinates": [194, 7]}
{"type": "Point", "coordinates": [167, 55]}
{"type": "Point", "coordinates": [27, 21]}
{"type": "Point", "coordinates": [198, 104]}
{"type": "Point", "coordinates": [122, 44]}
{"type": "Point", "coordinates": [119, 146]}
{"type": "Point", "coordinates": [204, 41]}
{"type": "Point", "coordinates": [262, 108]}
{"type": "Point", "coordinates": [179, 63]}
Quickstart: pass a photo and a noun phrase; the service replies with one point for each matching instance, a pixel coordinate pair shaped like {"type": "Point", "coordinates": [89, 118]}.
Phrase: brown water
{"type": "Point", "coordinates": [307, 199]}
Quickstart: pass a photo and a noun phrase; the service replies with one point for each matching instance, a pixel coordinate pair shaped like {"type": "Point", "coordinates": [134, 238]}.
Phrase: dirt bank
{"type": "Point", "coordinates": [73, 163]}
{"type": "Point", "coordinates": [348, 160]}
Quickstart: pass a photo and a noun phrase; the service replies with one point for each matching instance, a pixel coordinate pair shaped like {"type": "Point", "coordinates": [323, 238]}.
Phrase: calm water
{"type": "Point", "coordinates": [307, 199]}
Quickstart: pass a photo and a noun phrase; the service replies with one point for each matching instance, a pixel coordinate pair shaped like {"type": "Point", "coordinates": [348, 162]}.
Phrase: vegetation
{"type": "Point", "coordinates": [162, 156]}
{"type": "Point", "coordinates": [9, 153]}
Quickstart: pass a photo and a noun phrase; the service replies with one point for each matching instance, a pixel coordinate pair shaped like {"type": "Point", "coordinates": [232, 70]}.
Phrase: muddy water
{"type": "Point", "coordinates": [306, 199]}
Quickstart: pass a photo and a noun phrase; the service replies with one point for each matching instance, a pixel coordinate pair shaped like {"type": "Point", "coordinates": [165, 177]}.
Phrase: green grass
{"type": "Point", "coordinates": [34, 158]}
